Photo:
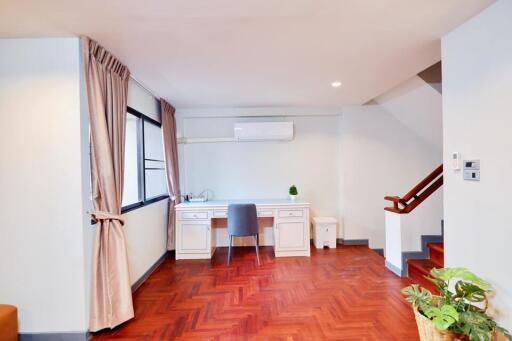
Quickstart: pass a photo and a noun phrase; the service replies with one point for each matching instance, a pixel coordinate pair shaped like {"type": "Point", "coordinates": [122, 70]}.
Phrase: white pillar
{"type": "Point", "coordinates": [394, 250]}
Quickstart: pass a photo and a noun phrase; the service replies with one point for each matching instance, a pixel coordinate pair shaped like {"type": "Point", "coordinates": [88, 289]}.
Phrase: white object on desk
{"type": "Point", "coordinates": [198, 199]}
{"type": "Point", "coordinates": [324, 232]}
{"type": "Point", "coordinates": [195, 238]}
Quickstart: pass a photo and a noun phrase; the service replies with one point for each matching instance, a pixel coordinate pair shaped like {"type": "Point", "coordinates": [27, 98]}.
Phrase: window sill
{"type": "Point", "coordinates": [141, 204]}
{"type": "Point", "coordinates": [137, 205]}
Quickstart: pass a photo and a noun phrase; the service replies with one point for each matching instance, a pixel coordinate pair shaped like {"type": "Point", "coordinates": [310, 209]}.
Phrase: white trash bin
{"type": "Point", "coordinates": [324, 232]}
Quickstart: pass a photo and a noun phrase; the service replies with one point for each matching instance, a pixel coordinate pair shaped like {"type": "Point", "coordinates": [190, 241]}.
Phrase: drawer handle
{"type": "Point", "coordinates": [290, 213]}
{"type": "Point", "coordinates": [194, 215]}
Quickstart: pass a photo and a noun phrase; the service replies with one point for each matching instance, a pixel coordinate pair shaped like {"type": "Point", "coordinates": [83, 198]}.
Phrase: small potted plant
{"type": "Point", "coordinates": [458, 312]}
{"type": "Point", "coordinates": [292, 191]}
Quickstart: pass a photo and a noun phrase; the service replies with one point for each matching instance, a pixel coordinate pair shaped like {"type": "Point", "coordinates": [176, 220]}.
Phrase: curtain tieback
{"type": "Point", "coordinates": [102, 215]}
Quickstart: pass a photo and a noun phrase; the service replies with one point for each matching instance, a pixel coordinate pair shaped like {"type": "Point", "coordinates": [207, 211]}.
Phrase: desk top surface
{"type": "Point", "coordinates": [258, 202]}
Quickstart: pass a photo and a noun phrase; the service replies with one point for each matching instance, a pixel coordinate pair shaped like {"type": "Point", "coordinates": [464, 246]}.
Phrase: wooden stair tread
{"type": "Point", "coordinates": [439, 247]}
{"type": "Point", "coordinates": [421, 265]}
{"type": "Point", "coordinates": [418, 270]}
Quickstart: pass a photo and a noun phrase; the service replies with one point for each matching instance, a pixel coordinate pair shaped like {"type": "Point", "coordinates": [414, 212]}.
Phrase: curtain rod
{"type": "Point", "coordinates": [145, 88]}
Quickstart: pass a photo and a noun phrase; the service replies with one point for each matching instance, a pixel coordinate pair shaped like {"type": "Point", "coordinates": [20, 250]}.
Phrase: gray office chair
{"type": "Point", "coordinates": [243, 221]}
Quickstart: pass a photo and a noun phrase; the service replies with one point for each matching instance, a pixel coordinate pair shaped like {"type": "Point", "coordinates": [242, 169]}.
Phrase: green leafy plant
{"type": "Point", "coordinates": [459, 308]}
{"type": "Point", "coordinates": [293, 190]}
{"type": "Point", "coordinates": [442, 317]}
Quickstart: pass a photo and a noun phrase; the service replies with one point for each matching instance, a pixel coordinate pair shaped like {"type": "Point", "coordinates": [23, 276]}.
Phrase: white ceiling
{"type": "Point", "coordinates": [239, 53]}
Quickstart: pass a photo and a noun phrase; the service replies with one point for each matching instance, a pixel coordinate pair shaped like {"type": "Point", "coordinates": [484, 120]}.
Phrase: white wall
{"type": "Point", "coordinates": [477, 87]}
{"type": "Point", "coordinates": [146, 235]}
{"type": "Point", "coordinates": [258, 170]}
{"type": "Point", "coordinates": [41, 246]}
{"type": "Point", "coordinates": [46, 238]}
{"type": "Point", "coordinates": [418, 106]}
{"type": "Point", "coordinates": [89, 230]}
{"type": "Point", "coordinates": [380, 156]}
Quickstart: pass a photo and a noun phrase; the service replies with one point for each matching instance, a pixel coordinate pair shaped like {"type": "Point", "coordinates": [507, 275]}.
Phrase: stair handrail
{"type": "Point", "coordinates": [417, 194]}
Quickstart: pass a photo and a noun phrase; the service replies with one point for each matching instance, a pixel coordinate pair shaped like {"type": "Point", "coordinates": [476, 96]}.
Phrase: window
{"type": "Point", "coordinates": [154, 165]}
{"type": "Point", "coordinates": [131, 192]}
{"type": "Point", "coordinates": [145, 179]}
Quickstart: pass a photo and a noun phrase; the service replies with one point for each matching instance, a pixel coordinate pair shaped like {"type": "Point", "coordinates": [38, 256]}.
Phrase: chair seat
{"type": "Point", "coordinates": [8, 323]}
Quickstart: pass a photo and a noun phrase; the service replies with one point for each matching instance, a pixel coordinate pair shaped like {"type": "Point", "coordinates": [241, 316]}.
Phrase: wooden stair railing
{"type": "Point", "coordinates": [417, 194]}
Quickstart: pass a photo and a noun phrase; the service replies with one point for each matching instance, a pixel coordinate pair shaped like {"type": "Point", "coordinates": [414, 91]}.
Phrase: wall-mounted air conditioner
{"type": "Point", "coordinates": [264, 131]}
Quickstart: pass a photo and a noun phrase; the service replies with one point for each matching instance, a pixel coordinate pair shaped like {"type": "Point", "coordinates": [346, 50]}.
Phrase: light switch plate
{"type": "Point", "coordinates": [472, 175]}
{"type": "Point", "coordinates": [471, 164]}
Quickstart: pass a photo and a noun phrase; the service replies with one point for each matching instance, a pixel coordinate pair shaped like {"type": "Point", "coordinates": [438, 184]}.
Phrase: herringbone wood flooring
{"type": "Point", "coordinates": [340, 294]}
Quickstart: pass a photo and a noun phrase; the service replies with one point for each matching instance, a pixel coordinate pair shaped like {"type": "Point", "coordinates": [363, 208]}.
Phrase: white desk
{"type": "Point", "coordinates": [195, 239]}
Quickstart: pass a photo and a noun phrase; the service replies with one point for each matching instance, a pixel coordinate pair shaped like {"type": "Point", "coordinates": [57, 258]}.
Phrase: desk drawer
{"type": "Point", "coordinates": [290, 213]}
{"type": "Point", "coordinates": [187, 215]}
{"type": "Point", "coordinates": [224, 213]}
{"type": "Point", "coordinates": [220, 214]}
{"type": "Point", "coordinates": [265, 213]}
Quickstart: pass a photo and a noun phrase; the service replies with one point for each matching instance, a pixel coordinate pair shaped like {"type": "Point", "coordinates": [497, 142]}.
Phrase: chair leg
{"type": "Point", "coordinates": [257, 239]}
{"type": "Point", "coordinates": [229, 249]}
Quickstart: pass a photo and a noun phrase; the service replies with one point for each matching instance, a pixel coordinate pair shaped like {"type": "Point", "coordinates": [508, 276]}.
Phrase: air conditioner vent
{"type": "Point", "coordinates": [264, 131]}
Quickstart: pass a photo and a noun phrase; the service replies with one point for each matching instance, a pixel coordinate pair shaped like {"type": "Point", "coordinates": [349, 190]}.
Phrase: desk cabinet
{"type": "Point", "coordinates": [194, 228]}
{"type": "Point", "coordinates": [291, 232]}
{"type": "Point", "coordinates": [290, 236]}
{"type": "Point", "coordinates": [193, 239]}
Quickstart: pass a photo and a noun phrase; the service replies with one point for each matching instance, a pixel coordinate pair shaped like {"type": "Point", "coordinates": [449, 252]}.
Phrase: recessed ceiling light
{"type": "Point", "coordinates": [336, 84]}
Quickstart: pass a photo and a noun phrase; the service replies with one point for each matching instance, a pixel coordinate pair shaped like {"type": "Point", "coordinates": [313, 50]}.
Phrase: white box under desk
{"type": "Point", "coordinates": [201, 226]}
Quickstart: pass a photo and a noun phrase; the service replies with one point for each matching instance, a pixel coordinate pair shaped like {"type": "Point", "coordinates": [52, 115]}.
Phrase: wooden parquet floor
{"type": "Point", "coordinates": [339, 294]}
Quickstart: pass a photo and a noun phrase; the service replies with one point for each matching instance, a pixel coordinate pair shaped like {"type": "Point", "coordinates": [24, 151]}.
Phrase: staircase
{"type": "Point", "coordinates": [417, 269]}
{"type": "Point", "coordinates": [402, 258]}
{"type": "Point", "coordinates": [424, 93]}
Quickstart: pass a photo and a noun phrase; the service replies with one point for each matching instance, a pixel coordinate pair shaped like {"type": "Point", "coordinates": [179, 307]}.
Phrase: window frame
{"type": "Point", "coordinates": [142, 163]}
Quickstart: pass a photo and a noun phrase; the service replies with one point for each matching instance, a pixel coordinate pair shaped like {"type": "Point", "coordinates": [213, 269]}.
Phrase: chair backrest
{"type": "Point", "coordinates": [242, 220]}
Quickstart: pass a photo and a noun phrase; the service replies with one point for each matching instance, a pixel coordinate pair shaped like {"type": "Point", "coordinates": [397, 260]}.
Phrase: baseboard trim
{"type": "Point", "coordinates": [342, 241]}
{"type": "Point", "coordinates": [393, 269]}
{"type": "Point", "coordinates": [65, 336]}
{"type": "Point", "coordinates": [379, 251]}
{"type": "Point", "coordinates": [153, 267]}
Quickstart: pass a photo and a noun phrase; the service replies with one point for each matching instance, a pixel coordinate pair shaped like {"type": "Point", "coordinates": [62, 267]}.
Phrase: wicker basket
{"type": "Point", "coordinates": [428, 332]}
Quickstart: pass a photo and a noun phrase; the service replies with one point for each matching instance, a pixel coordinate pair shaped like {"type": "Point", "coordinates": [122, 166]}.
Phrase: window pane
{"type": "Point", "coordinates": [131, 162]}
{"type": "Point", "coordinates": [156, 183]}
{"type": "Point", "coordinates": [153, 143]}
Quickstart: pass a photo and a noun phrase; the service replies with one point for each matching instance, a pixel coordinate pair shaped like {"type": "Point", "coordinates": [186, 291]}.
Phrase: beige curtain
{"type": "Point", "coordinates": [107, 89]}
{"type": "Point", "coordinates": [171, 164]}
